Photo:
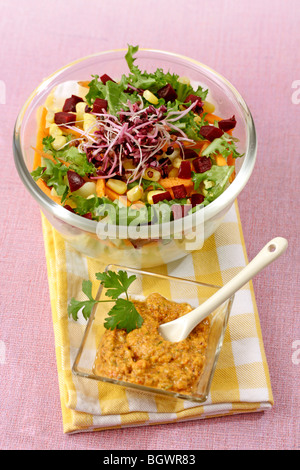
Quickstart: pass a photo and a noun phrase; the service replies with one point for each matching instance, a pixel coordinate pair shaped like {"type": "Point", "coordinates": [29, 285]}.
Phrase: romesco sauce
{"type": "Point", "coordinates": [143, 357]}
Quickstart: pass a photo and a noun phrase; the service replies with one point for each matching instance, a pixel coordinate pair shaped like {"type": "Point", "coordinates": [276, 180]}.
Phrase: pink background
{"type": "Point", "coordinates": [256, 46]}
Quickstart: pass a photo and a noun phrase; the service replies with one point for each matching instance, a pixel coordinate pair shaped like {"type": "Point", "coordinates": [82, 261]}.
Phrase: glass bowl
{"type": "Point", "coordinates": [167, 243]}
{"type": "Point", "coordinates": [175, 289]}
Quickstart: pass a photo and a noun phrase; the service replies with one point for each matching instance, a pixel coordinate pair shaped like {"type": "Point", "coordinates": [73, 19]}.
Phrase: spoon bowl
{"type": "Point", "coordinates": [177, 330]}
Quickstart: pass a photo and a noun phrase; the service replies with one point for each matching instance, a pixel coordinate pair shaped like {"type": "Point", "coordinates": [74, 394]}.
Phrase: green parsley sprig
{"type": "Point", "coordinates": [123, 315]}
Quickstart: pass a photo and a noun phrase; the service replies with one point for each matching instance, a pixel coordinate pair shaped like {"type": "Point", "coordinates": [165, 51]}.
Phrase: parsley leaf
{"type": "Point", "coordinates": [86, 305]}
{"type": "Point", "coordinates": [123, 315]}
{"type": "Point", "coordinates": [116, 283]}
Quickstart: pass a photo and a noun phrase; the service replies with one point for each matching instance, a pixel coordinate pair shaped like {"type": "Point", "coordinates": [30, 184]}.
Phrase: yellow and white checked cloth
{"type": "Point", "coordinates": [241, 381]}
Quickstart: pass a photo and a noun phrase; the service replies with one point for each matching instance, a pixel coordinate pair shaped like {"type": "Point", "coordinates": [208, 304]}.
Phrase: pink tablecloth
{"type": "Point", "coordinates": [256, 46]}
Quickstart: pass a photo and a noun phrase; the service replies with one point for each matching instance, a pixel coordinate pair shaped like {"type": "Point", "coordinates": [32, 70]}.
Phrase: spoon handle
{"type": "Point", "coordinates": [267, 255]}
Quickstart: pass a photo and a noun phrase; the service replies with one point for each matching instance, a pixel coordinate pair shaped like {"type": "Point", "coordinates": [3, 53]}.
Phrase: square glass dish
{"type": "Point", "coordinates": [174, 289]}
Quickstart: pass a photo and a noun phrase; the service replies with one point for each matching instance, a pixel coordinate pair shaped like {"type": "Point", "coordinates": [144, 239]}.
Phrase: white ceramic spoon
{"type": "Point", "coordinates": [179, 329]}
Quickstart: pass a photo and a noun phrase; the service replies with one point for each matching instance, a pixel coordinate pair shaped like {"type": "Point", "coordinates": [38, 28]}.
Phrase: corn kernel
{"type": "Point", "coordinates": [89, 121]}
{"type": "Point", "coordinates": [149, 96]}
{"type": "Point", "coordinates": [80, 111]}
{"type": "Point", "coordinates": [151, 174]}
{"type": "Point", "coordinates": [208, 184]}
{"type": "Point", "coordinates": [184, 80]}
{"type": "Point", "coordinates": [208, 107]}
{"type": "Point", "coordinates": [177, 162]}
{"type": "Point", "coordinates": [87, 189]}
{"type": "Point", "coordinates": [117, 186]}
{"type": "Point", "coordinates": [173, 173]}
{"type": "Point", "coordinates": [153, 193]}
{"type": "Point", "coordinates": [59, 142]}
{"type": "Point", "coordinates": [49, 118]}
{"type": "Point", "coordinates": [54, 130]}
{"type": "Point", "coordinates": [135, 193]}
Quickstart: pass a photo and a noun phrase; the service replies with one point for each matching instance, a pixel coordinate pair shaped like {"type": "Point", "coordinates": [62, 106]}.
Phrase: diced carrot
{"type": "Point", "coordinates": [220, 160]}
{"type": "Point", "coordinates": [165, 147]}
{"type": "Point", "coordinates": [84, 83]}
{"type": "Point", "coordinates": [100, 188]}
{"type": "Point", "coordinates": [231, 162]}
{"type": "Point", "coordinates": [113, 196]}
{"type": "Point", "coordinates": [42, 132]}
{"type": "Point", "coordinates": [168, 183]}
{"type": "Point", "coordinates": [200, 144]}
{"type": "Point", "coordinates": [211, 118]}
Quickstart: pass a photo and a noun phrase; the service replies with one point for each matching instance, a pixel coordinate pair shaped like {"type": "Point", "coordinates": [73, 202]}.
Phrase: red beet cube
{"type": "Point", "coordinates": [88, 215]}
{"type": "Point", "coordinates": [202, 164]}
{"type": "Point", "coordinates": [227, 124]}
{"type": "Point", "coordinates": [75, 180]}
{"type": "Point", "coordinates": [179, 191]}
{"type": "Point", "coordinates": [211, 132]}
{"type": "Point", "coordinates": [197, 199]}
{"type": "Point", "coordinates": [99, 105]}
{"type": "Point", "coordinates": [168, 93]}
{"type": "Point", "coordinates": [192, 98]}
{"type": "Point", "coordinates": [106, 78]}
{"type": "Point", "coordinates": [69, 208]}
{"type": "Point", "coordinates": [185, 170]}
{"type": "Point", "coordinates": [62, 118]}
{"type": "Point", "coordinates": [161, 197]}
{"type": "Point", "coordinates": [189, 153]}
{"type": "Point", "coordinates": [180, 210]}
{"type": "Point", "coordinates": [70, 104]}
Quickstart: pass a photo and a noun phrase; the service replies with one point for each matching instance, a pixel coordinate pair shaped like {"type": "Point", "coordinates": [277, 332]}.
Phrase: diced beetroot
{"type": "Point", "coordinates": [161, 197]}
{"type": "Point", "coordinates": [227, 124]}
{"type": "Point", "coordinates": [202, 164]}
{"type": "Point", "coordinates": [189, 153]}
{"type": "Point", "coordinates": [75, 180]}
{"type": "Point", "coordinates": [211, 132]}
{"type": "Point", "coordinates": [179, 191]}
{"type": "Point", "coordinates": [197, 199]}
{"type": "Point", "coordinates": [70, 104]}
{"type": "Point", "coordinates": [185, 170]}
{"type": "Point", "coordinates": [192, 98]}
{"type": "Point", "coordinates": [64, 118]}
{"type": "Point", "coordinates": [106, 78]}
{"type": "Point", "coordinates": [167, 92]}
{"type": "Point", "coordinates": [69, 208]}
{"type": "Point", "coordinates": [180, 211]}
{"type": "Point", "coordinates": [88, 215]}
{"type": "Point", "coordinates": [99, 105]}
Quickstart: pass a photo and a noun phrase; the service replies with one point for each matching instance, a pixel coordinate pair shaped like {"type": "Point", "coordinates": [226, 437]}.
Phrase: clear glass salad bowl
{"type": "Point", "coordinates": [167, 242]}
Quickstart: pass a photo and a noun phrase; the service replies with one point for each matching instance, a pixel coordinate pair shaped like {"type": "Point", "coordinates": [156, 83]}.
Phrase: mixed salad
{"type": "Point", "coordinates": [145, 140]}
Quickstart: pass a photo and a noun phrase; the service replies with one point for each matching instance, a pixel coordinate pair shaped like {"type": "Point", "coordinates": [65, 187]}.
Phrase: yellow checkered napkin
{"type": "Point", "coordinates": [241, 381]}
